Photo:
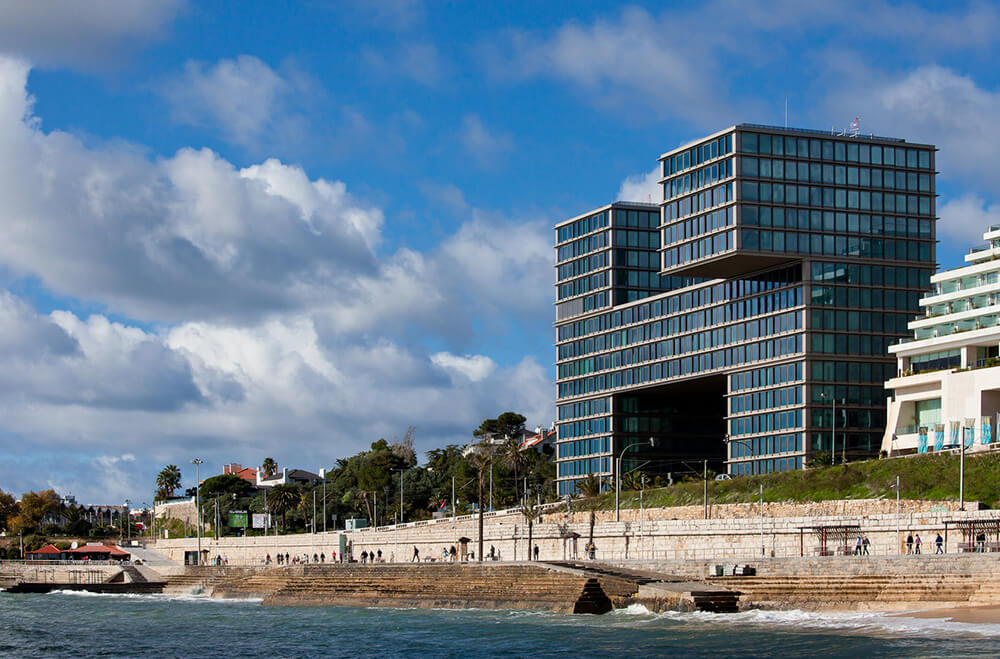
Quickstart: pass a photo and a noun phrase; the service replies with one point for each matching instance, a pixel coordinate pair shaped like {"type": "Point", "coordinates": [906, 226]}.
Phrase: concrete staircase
{"type": "Point", "coordinates": [422, 586]}
{"type": "Point", "coordinates": [654, 590]}
{"type": "Point", "coordinates": [195, 579]}
{"type": "Point", "coordinates": [988, 592]}
{"type": "Point", "coordinates": [874, 592]}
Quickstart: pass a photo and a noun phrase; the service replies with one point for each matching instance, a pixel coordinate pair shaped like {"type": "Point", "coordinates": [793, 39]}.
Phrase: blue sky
{"type": "Point", "coordinates": [241, 231]}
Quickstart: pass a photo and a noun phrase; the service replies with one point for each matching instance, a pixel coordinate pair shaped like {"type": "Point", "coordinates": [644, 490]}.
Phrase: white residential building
{"type": "Point", "coordinates": [948, 387]}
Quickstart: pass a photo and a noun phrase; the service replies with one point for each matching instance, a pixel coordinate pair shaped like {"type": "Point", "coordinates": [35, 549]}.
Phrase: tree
{"type": "Point", "coordinates": [633, 480]}
{"type": "Point", "coordinates": [531, 512]}
{"type": "Point", "coordinates": [508, 424]}
{"type": "Point", "coordinates": [8, 509]}
{"type": "Point", "coordinates": [225, 484]}
{"type": "Point", "coordinates": [512, 456]}
{"type": "Point", "coordinates": [481, 461]}
{"type": "Point", "coordinates": [590, 488]}
{"type": "Point", "coordinates": [283, 498]}
{"type": "Point", "coordinates": [269, 467]}
{"type": "Point", "coordinates": [33, 509]}
{"type": "Point", "coordinates": [167, 481]}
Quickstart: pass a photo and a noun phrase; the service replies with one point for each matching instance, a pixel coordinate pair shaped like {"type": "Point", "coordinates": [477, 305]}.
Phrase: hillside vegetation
{"type": "Point", "coordinates": [930, 476]}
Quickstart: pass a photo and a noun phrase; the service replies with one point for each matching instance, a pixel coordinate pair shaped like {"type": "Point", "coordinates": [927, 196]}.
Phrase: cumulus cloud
{"type": "Point", "coordinates": [82, 34]}
{"type": "Point", "coordinates": [266, 321]}
{"type": "Point", "coordinates": [642, 187]}
{"type": "Point", "coordinates": [964, 219]}
{"type": "Point", "coordinates": [63, 361]}
{"type": "Point", "coordinates": [244, 99]}
{"type": "Point", "coordinates": [174, 238]}
{"type": "Point", "coordinates": [469, 367]}
{"type": "Point", "coordinates": [936, 105]}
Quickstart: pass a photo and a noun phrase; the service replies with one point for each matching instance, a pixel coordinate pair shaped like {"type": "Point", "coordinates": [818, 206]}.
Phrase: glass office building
{"type": "Point", "coordinates": [725, 320]}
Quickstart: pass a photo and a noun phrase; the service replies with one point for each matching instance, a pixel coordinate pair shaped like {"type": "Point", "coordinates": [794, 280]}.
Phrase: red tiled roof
{"type": "Point", "coordinates": [98, 549]}
{"type": "Point", "coordinates": [47, 549]}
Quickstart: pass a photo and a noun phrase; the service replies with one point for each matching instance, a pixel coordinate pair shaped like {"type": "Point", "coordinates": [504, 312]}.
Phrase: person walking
{"type": "Point", "coordinates": [416, 555]}
{"type": "Point", "coordinates": [536, 552]}
{"type": "Point", "coordinates": [379, 554]}
{"type": "Point", "coordinates": [857, 546]}
{"type": "Point", "coordinates": [364, 557]}
{"type": "Point", "coordinates": [916, 544]}
{"type": "Point", "coordinates": [865, 543]}
{"type": "Point", "coordinates": [909, 543]}
{"type": "Point", "coordinates": [939, 544]}
{"type": "Point", "coordinates": [981, 542]}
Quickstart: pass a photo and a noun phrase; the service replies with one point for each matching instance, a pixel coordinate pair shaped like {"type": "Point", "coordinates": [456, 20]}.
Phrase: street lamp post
{"type": "Point", "coordinates": [128, 521]}
{"type": "Point", "coordinates": [618, 476]}
{"type": "Point", "coordinates": [197, 462]}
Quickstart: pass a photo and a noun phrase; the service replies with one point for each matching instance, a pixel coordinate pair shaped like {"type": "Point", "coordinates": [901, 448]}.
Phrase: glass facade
{"type": "Point", "coordinates": [768, 282]}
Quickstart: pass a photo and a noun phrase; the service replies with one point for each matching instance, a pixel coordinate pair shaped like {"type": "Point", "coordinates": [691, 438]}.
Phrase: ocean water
{"type": "Point", "coordinates": [84, 625]}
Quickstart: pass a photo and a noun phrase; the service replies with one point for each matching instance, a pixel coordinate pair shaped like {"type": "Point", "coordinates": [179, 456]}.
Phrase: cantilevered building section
{"type": "Point", "coordinates": [725, 320]}
{"type": "Point", "coordinates": [947, 389]}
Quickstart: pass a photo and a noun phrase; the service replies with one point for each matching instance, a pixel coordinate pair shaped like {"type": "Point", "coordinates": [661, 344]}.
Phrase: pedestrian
{"type": "Point", "coordinates": [916, 544]}
{"type": "Point", "coordinates": [444, 554]}
{"type": "Point", "coordinates": [981, 542]}
{"type": "Point", "coordinates": [939, 544]}
{"type": "Point", "coordinates": [364, 557]}
{"type": "Point", "coordinates": [322, 557]}
{"type": "Point", "coordinates": [493, 553]}
{"type": "Point", "coordinates": [416, 555]}
{"type": "Point", "coordinates": [857, 546]}
{"type": "Point", "coordinates": [909, 543]}
{"type": "Point", "coordinates": [286, 558]}
{"type": "Point", "coordinates": [536, 552]}
{"type": "Point", "coordinates": [453, 553]}
{"type": "Point", "coordinates": [315, 558]}
{"type": "Point", "coordinates": [267, 559]}
{"type": "Point", "coordinates": [865, 544]}
{"type": "Point", "coordinates": [379, 554]}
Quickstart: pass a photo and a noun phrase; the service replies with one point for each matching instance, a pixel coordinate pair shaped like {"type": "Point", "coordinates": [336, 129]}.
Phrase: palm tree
{"type": "Point", "coordinates": [632, 480]}
{"type": "Point", "coordinates": [512, 456]}
{"type": "Point", "coordinates": [481, 460]}
{"type": "Point", "coordinates": [168, 480]}
{"type": "Point", "coordinates": [531, 512]}
{"type": "Point", "coordinates": [590, 488]}
{"type": "Point", "coordinates": [283, 498]}
{"type": "Point", "coordinates": [269, 467]}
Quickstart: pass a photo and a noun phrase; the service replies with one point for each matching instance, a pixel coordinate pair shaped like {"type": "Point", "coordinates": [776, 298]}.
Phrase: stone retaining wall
{"type": "Point", "coordinates": [664, 535]}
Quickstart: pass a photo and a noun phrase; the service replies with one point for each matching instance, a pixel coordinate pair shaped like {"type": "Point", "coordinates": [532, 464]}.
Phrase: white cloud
{"type": "Point", "coordinates": [243, 98]}
{"type": "Point", "coordinates": [81, 34]}
{"type": "Point", "coordinates": [483, 144]}
{"type": "Point", "coordinates": [642, 187]}
{"type": "Point", "coordinates": [283, 333]}
{"type": "Point", "coordinates": [469, 367]}
{"type": "Point", "coordinates": [173, 238]}
{"type": "Point", "coordinates": [965, 219]}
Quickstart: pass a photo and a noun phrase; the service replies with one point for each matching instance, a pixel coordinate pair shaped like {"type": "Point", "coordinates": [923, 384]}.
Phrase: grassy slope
{"type": "Point", "coordinates": [932, 476]}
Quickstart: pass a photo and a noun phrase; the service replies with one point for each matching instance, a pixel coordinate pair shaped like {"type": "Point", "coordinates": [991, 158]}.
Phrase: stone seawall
{"type": "Point", "coordinates": [657, 535]}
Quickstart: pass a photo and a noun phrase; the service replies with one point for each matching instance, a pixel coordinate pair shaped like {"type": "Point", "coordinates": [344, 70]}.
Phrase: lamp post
{"type": "Point", "coordinates": [618, 475]}
{"type": "Point", "coordinates": [128, 521]}
{"type": "Point", "coordinates": [197, 462]}
{"type": "Point", "coordinates": [145, 510]}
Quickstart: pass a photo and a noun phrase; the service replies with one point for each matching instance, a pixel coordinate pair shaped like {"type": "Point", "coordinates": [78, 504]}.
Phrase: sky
{"type": "Point", "coordinates": [234, 231]}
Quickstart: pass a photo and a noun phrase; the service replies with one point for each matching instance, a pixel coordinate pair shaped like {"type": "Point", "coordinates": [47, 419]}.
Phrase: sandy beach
{"type": "Point", "coordinates": [970, 614]}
